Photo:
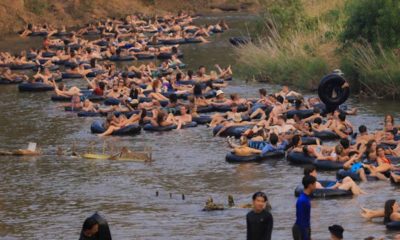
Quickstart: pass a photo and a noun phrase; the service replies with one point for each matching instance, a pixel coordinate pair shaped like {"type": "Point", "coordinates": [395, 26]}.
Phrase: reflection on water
{"type": "Point", "coordinates": [48, 197]}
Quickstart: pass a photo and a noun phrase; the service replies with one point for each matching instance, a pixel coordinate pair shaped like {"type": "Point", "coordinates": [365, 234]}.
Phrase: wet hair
{"type": "Point", "coordinates": [260, 194]}
{"type": "Point", "coordinates": [316, 110]}
{"type": "Point", "coordinates": [296, 139]}
{"type": "Point", "coordinates": [273, 138]}
{"type": "Point", "coordinates": [280, 99]}
{"type": "Point", "coordinates": [318, 120]}
{"type": "Point", "coordinates": [298, 103]}
{"type": "Point", "coordinates": [102, 85]}
{"type": "Point", "coordinates": [369, 146]}
{"type": "Point", "coordinates": [160, 117]}
{"type": "Point", "coordinates": [362, 129]}
{"type": "Point", "coordinates": [190, 73]}
{"type": "Point", "coordinates": [342, 116]}
{"type": "Point", "coordinates": [262, 91]}
{"type": "Point", "coordinates": [391, 118]}
{"type": "Point", "coordinates": [89, 223]}
{"type": "Point", "coordinates": [345, 143]}
{"type": "Point", "coordinates": [388, 210]}
{"type": "Point", "coordinates": [308, 180]}
{"type": "Point", "coordinates": [178, 76]}
{"type": "Point", "coordinates": [339, 149]}
{"type": "Point", "coordinates": [309, 169]}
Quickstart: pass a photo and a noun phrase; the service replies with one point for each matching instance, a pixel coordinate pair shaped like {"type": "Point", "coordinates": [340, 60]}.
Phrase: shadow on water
{"type": "Point", "coordinates": [48, 197]}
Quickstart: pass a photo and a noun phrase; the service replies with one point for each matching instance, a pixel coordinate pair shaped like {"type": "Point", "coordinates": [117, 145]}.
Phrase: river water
{"type": "Point", "coordinates": [48, 197]}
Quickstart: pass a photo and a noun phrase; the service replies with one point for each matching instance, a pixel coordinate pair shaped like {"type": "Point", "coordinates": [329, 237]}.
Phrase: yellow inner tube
{"type": "Point", "coordinates": [95, 156]}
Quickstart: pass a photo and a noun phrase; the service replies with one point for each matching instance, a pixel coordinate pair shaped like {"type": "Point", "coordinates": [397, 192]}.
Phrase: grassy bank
{"type": "Point", "coordinates": [17, 13]}
{"type": "Point", "coordinates": [317, 41]}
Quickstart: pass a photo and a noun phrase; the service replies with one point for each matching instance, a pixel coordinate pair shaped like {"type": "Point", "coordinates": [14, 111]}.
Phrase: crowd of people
{"type": "Point", "coordinates": [167, 96]}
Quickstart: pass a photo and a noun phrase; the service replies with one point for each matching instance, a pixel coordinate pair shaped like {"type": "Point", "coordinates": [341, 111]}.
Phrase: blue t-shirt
{"type": "Point", "coordinates": [303, 214]}
{"type": "Point", "coordinates": [271, 148]}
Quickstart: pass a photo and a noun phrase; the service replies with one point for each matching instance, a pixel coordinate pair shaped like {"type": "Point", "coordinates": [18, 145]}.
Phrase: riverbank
{"type": "Point", "coordinates": [311, 38]}
{"type": "Point", "coordinates": [16, 14]}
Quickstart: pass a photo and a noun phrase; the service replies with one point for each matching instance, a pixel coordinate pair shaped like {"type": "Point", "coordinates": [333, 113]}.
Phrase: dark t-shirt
{"type": "Point", "coordinates": [259, 225]}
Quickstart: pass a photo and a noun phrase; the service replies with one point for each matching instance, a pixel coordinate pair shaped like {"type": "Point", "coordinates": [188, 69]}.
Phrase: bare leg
{"type": "Point", "coordinates": [109, 131]}
{"type": "Point", "coordinates": [369, 213]}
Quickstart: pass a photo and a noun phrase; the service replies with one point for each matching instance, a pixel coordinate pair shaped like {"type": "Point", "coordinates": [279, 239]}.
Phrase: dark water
{"type": "Point", "coordinates": [48, 197]}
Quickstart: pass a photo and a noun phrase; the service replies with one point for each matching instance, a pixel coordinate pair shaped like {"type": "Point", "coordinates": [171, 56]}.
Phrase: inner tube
{"type": "Point", "coordinates": [202, 119]}
{"type": "Point", "coordinates": [309, 140]}
{"type": "Point", "coordinates": [299, 158]}
{"type": "Point", "coordinates": [144, 56]}
{"type": "Point", "coordinates": [329, 84]}
{"type": "Point", "coordinates": [300, 113]}
{"type": "Point", "coordinates": [205, 109]}
{"type": "Point", "coordinates": [9, 81]}
{"type": "Point", "coordinates": [122, 58]}
{"type": "Point", "coordinates": [34, 87]}
{"type": "Point", "coordinates": [149, 127]}
{"type": "Point", "coordinates": [22, 66]}
{"type": "Point", "coordinates": [328, 165]}
{"type": "Point", "coordinates": [88, 114]}
{"type": "Point", "coordinates": [111, 101]}
{"type": "Point", "coordinates": [168, 55]}
{"type": "Point", "coordinates": [393, 225]}
{"type": "Point", "coordinates": [190, 125]}
{"type": "Point", "coordinates": [238, 41]}
{"type": "Point", "coordinates": [227, 108]}
{"type": "Point", "coordinates": [71, 75]}
{"type": "Point", "coordinates": [324, 192]}
{"type": "Point", "coordinates": [133, 129]}
{"type": "Point", "coordinates": [94, 73]}
{"type": "Point", "coordinates": [192, 40]}
{"type": "Point", "coordinates": [38, 34]}
{"type": "Point", "coordinates": [173, 41]}
{"type": "Point", "coordinates": [232, 158]}
{"type": "Point", "coordinates": [48, 54]}
{"type": "Point", "coordinates": [326, 135]}
{"type": "Point", "coordinates": [356, 177]}
{"type": "Point", "coordinates": [231, 131]}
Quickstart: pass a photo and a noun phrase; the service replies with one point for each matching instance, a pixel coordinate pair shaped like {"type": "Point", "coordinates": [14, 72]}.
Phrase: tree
{"type": "Point", "coordinates": [376, 21]}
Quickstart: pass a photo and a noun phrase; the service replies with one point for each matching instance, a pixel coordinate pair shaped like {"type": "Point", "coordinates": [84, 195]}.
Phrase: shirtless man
{"type": "Point", "coordinates": [184, 118]}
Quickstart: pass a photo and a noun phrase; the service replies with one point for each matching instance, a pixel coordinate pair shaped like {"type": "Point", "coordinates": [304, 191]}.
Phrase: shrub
{"type": "Point", "coordinates": [377, 21]}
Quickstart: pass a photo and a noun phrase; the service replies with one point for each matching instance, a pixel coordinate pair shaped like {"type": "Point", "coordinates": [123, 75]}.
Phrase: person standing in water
{"type": "Point", "coordinates": [95, 227]}
{"type": "Point", "coordinates": [336, 232]}
{"type": "Point", "coordinates": [259, 220]}
{"type": "Point", "coordinates": [302, 228]}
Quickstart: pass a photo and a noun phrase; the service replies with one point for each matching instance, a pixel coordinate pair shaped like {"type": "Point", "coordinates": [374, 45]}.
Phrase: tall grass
{"type": "Point", "coordinates": [284, 60]}
{"type": "Point", "coordinates": [376, 71]}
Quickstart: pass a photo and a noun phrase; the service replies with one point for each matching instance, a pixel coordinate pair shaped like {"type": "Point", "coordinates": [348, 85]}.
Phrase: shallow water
{"type": "Point", "coordinates": [48, 197]}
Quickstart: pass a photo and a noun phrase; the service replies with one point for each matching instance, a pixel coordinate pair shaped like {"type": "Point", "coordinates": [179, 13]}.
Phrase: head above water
{"type": "Point", "coordinates": [260, 200]}
{"type": "Point", "coordinates": [390, 206]}
{"type": "Point", "coordinates": [309, 184]}
{"type": "Point", "coordinates": [90, 227]}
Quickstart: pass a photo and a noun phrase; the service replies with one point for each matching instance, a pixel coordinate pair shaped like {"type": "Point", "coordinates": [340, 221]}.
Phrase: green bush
{"type": "Point", "coordinates": [376, 21]}
{"type": "Point", "coordinates": [287, 14]}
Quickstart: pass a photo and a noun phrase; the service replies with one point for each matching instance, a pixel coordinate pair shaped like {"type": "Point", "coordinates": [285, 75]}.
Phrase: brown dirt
{"type": "Point", "coordinates": [17, 13]}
